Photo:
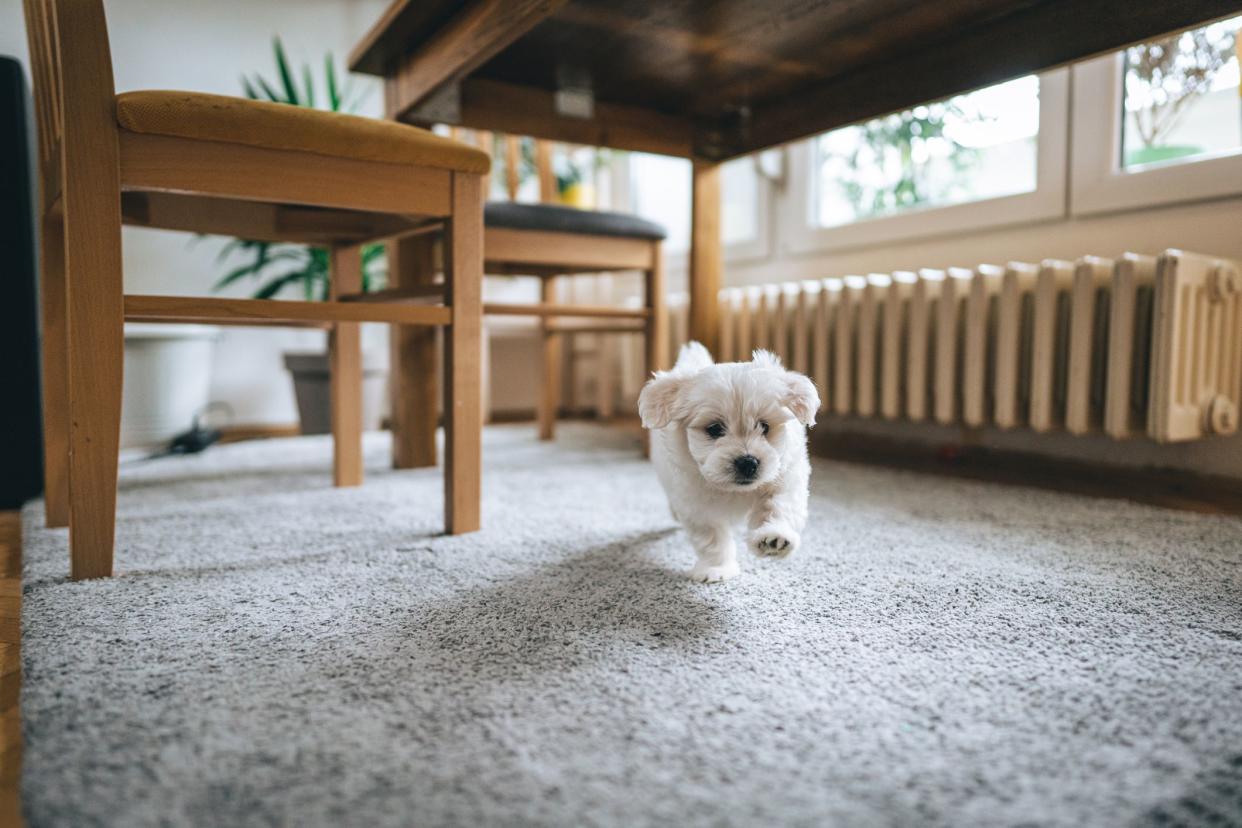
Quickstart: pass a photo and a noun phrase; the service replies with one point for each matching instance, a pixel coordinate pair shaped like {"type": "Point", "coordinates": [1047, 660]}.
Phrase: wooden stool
{"type": "Point", "coordinates": [545, 241]}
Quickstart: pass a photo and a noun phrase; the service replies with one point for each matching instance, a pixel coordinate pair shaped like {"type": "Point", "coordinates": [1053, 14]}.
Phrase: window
{"type": "Point", "coordinates": [1159, 123]}
{"type": "Point", "coordinates": [661, 192]}
{"type": "Point", "coordinates": [661, 188]}
{"type": "Point", "coordinates": [972, 147]}
{"type": "Point", "coordinates": [989, 157]}
{"type": "Point", "coordinates": [1182, 97]}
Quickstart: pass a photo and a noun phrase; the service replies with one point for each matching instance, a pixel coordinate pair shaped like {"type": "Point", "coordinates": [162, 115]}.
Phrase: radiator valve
{"type": "Point", "coordinates": [1220, 416]}
{"type": "Point", "coordinates": [1223, 282]}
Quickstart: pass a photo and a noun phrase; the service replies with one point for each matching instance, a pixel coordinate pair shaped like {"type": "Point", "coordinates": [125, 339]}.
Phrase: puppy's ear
{"type": "Point", "coordinates": [693, 357]}
{"type": "Point", "coordinates": [798, 392]}
{"type": "Point", "coordinates": [800, 397]}
{"type": "Point", "coordinates": [658, 402]}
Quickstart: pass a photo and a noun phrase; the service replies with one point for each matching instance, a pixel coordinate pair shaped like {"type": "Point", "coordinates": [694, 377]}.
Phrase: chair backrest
{"type": "Point", "coordinates": [513, 158]}
{"type": "Point", "coordinates": [72, 70]}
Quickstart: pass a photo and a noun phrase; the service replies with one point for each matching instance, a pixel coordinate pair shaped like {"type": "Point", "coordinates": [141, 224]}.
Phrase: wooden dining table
{"type": "Point", "coordinates": [710, 80]}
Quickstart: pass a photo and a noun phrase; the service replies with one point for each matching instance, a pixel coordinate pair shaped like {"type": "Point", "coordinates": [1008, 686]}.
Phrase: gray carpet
{"type": "Point", "coordinates": [277, 652]}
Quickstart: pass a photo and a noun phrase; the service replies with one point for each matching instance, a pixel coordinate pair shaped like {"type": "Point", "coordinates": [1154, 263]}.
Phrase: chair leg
{"type": "Point", "coordinates": [345, 364]}
{"type": "Point", "coordinates": [550, 369]}
{"type": "Point", "coordinates": [55, 373]}
{"type": "Point", "coordinates": [605, 376]}
{"type": "Point", "coordinates": [655, 335]}
{"type": "Point", "coordinates": [485, 365]}
{"type": "Point", "coordinates": [96, 353]}
{"type": "Point", "coordinates": [413, 377]}
{"type": "Point", "coordinates": [463, 345]}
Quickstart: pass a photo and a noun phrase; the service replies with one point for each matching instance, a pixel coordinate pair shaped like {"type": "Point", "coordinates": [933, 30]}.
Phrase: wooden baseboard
{"type": "Point", "coordinates": [10, 668]}
{"type": "Point", "coordinates": [526, 415]}
{"type": "Point", "coordinates": [237, 433]}
{"type": "Point", "coordinates": [1169, 488]}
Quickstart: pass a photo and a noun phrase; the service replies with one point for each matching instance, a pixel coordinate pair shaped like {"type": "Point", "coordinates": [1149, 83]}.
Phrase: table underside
{"type": "Point", "coordinates": [713, 79]}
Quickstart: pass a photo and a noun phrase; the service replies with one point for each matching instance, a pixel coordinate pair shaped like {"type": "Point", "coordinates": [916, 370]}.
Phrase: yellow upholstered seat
{"type": "Point", "coordinates": [284, 127]}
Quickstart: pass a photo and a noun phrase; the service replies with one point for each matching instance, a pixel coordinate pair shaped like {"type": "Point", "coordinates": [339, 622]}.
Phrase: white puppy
{"type": "Point", "coordinates": [728, 444]}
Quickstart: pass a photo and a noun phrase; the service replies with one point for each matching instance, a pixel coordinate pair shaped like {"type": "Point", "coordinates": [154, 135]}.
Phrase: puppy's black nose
{"type": "Point", "coordinates": [746, 465]}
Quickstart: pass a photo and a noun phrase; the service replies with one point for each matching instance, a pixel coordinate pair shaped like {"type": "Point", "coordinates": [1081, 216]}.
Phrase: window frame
{"type": "Point", "coordinates": [1046, 202]}
{"type": "Point", "coordinates": [1099, 183]}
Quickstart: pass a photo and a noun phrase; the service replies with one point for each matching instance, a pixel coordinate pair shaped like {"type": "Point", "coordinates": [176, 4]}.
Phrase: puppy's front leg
{"type": "Point", "coordinates": [776, 523]}
{"type": "Point", "coordinates": [716, 552]}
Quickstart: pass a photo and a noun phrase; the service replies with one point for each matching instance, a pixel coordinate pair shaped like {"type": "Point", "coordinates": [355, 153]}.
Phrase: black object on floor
{"type": "Point", "coordinates": [21, 441]}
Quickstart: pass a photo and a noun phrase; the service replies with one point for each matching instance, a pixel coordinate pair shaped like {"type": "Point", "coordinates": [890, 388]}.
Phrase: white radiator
{"type": "Point", "coordinates": [1127, 347]}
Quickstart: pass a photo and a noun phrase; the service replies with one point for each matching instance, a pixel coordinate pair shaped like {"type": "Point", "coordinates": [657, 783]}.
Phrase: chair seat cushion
{"type": "Point", "coordinates": [285, 127]}
{"type": "Point", "coordinates": [556, 219]}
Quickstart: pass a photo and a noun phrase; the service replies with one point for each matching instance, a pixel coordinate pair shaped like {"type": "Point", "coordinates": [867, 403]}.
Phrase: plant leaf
{"type": "Point", "coordinates": [310, 85]}
{"type": "Point", "coordinates": [228, 249]}
{"type": "Point", "coordinates": [262, 259]}
{"type": "Point", "coordinates": [278, 284]}
{"type": "Point", "coordinates": [349, 100]}
{"type": "Point", "coordinates": [267, 90]}
{"type": "Point", "coordinates": [235, 274]}
{"type": "Point", "coordinates": [329, 73]}
{"type": "Point", "coordinates": [247, 269]}
{"type": "Point", "coordinates": [374, 267]}
{"type": "Point", "coordinates": [249, 88]}
{"type": "Point", "coordinates": [319, 258]}
{"type": "Point", "coordinates": [286, 77]}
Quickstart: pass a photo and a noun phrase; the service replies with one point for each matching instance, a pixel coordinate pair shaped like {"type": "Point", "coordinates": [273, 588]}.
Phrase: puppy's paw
{"type": "Point", "coordinates": [773, 540]}
{"type": "Point", "coordinates": [710, 574]}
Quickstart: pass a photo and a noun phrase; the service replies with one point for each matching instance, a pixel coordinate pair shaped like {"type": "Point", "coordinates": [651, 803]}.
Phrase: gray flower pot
{"type": "Point", "coordinates": [311, 385]}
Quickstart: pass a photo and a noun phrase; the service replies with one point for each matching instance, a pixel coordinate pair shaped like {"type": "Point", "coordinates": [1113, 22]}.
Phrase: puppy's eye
{"type": "Point", "coordinates": [715, 430]}
{"type": "Point", "coordinates": [763, 425]}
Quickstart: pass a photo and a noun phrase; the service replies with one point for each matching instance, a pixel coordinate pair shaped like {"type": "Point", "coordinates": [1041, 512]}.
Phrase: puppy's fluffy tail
{"type": "Point", "coordinates": [693, 357]}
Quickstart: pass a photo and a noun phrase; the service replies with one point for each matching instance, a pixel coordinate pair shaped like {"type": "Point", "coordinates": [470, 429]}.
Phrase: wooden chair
{"type": "Point", "coordinates": [546, 241]}
{"type": "Point", "coordinates": [213, 164]}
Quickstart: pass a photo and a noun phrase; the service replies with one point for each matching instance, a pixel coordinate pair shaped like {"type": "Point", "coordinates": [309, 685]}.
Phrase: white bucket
{"type": "Point", "coordinates": [167, 381]}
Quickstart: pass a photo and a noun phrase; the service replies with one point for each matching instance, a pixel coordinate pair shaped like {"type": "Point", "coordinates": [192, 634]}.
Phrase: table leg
{"type": "Point", "coordinates": [705, 254]}
{"type": "Point", "coordinates": [655, 334]}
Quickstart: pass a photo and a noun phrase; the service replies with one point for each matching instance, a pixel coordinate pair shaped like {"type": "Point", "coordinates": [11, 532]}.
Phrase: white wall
{"type": "Point", "coordinates": [206, 47]}
{"type": "Point", "coordinates": [1208, 227]}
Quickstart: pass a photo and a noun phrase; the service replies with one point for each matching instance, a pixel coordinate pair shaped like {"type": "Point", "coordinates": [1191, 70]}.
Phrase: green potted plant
{"type": "Point", "coordinates": [574, 172]}
{"type": "Point", "coordinates": [280, 267]}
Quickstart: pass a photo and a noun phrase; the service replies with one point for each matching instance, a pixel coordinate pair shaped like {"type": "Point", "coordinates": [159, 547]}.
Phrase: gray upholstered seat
{"type": "Point", "coordinates": [556, 219]}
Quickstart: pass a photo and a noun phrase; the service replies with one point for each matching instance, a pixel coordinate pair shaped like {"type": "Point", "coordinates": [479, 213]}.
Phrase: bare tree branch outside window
{"type": "Point", "coordinates": [1164, 77]}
